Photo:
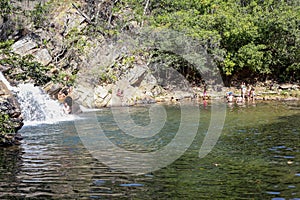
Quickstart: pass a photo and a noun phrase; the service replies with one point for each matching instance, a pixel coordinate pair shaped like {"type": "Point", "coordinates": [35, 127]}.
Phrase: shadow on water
{"type": "Point", "coordinates": [257, 157]}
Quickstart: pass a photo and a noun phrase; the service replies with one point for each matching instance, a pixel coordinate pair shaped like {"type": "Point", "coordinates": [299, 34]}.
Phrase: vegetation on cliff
{"type": "Point", "coordinates": [248, 39]}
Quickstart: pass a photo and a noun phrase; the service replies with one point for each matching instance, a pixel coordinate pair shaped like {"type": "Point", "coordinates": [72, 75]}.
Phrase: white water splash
{"type": "Point", "coordinates": [36, 105]}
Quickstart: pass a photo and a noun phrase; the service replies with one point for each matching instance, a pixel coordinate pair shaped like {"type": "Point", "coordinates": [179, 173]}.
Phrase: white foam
{"type": "Point", "coordinates": [36, 106]}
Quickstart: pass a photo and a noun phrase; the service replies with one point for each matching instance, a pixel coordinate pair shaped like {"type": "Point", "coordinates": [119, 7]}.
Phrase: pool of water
{"type": "Point", "coordinates": [257, 156]}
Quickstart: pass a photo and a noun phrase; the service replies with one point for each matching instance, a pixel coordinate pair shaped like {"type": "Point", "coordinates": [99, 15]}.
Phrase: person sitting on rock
{"type": "Point", "coordinates": [62, 94]}
{"type": "Point", "coordinates": [230, 98]}
{"type": "Point", "coordinates": [71, 107]}
{"type": "Point", "coordinates": [120, 93]}
{"type": "Point", "coordinates": [68, 105]}
{"type": "Point", "coordinates": [239, 99]}
{"type": "Point", "coordinates": [228, 93]}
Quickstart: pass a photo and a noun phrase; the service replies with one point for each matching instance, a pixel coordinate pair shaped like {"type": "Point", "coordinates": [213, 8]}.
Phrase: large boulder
{"type": "Point", "coordinates": [29, 45]}
{"type": "Point", "coordinates": [10, 117]}
{"type": "Point", "coordinates": [24, 45]}
{"type": "Point", "coordinates": [43, 56]}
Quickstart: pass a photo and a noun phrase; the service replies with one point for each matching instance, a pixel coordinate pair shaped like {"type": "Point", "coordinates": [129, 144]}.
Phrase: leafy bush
{"type": "Point", "coordinates": [4, 124]}
{"type": "Point", "coordinates": [39, 15]}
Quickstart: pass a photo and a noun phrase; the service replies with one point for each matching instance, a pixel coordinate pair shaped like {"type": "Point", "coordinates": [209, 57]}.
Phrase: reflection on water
{"type": "Point", "coordinates": [257, 157]}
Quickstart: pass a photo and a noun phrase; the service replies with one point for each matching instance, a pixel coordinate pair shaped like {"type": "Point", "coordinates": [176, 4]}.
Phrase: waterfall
{"type": "Point", "coordinates": [36, 105]}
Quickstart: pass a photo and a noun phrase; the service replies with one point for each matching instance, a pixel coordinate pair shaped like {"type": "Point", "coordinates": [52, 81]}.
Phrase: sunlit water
{"type": "Point", "coordinates": [256, 157]}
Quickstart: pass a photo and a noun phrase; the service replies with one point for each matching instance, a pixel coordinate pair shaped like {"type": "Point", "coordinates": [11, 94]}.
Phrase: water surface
{"type": "Point", "coordinates": [256, 157]}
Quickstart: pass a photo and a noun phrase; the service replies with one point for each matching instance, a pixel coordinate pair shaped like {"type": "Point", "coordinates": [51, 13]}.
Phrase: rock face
{"type": "Point", "coordinates": [24, 45]}
{"type": "Point", "coordinates": [134, 84]}
{"type": "Point", "coordinates": [29, 45]}
{"type": "Point", "coordinates": [10, 117]}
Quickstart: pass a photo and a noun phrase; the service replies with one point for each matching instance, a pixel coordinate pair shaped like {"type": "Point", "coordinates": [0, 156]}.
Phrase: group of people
{"type": "Point", "coordinates": [247, 92]}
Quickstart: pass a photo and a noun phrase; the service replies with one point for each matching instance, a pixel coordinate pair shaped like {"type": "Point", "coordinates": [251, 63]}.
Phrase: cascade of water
{"type": "Point", "coordinates": [36, 105]}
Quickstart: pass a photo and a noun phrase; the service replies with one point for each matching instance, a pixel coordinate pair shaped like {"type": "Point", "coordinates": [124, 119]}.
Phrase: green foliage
{"type": "Point", "coordinates": [22, 68]}
{"type": "Point", "coordinates": [228, 65]}
{"type": "Point", "coordinates": [262, 37]}
{"type": "Point", "coordinates": [171, 60]}
{"type": "Point", "coordinates": [4, 124]}
{"type": "Point", "coordinates": [63, 77]}
{"type": "Point", "coordinates": [108, 77]}
{"type": "Point", "coordinates": [253, 57]}
{"type": "Point", "coordinates": [29, 70]}
{"type": "Point", "coordinates": [39, 14]}
{"type": "Point", "coordinates": [259, 37]}
{"type": "Point", "coordinates": [6, 8]}
{"type": "Point", "coordinates": [5, 47]}
{"type": "Point", "coordinates": [128, 61]}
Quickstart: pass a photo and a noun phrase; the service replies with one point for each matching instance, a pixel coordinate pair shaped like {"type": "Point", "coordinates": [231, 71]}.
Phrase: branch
{"type": "Point", "coordinates": [82, 14]}
{"type": "Point", "coordinates": [111, 11]}
{"type": "Point", "coordinates": [146, 7]}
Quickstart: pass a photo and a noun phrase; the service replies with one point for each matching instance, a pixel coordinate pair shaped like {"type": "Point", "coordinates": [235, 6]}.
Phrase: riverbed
{"type": "Point", "coordinates": [257, 156]}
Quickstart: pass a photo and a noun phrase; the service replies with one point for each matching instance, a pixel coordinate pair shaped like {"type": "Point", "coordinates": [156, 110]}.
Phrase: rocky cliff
{"type": "Point", "coordinates": [56, 52]}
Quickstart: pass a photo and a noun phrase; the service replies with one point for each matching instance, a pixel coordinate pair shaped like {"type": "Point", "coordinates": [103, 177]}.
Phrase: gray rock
{"type": "Point", "coordinates": [43, 56]}
{"type": "Point", "coordinates": [286, 86]}
{"type": "Point", "coordinates": [136, 75]}
{"type": "Point", "coordinates": [101, 92]}
{"type": "Point", "coordinates": [99, 103]}
{"type": "Point", "coordinates": [52, 89]}
{"type": "Point", "coordinates": [179, 95]}
{"type": "Point", "coordinates": [28, 45]}
{"type": "Point", "coordinates": [74, 20]}
{"type": "Point", "coordinates": [84, 95]}
{"type": "Point", "coordinates": [24, 45]}
{"type": "Point", "coordinates": [295, 87]}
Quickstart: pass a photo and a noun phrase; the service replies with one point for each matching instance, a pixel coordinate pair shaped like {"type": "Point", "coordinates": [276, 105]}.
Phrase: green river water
{"type": "Point", "coordinates": [257, 156]}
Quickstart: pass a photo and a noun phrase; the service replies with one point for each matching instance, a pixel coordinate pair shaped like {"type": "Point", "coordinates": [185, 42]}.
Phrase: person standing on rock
{"type": "Point", "coordinates": [205, 92]}
{"type": "Point", "coordinates": [249, 91]}
{"type": "Point", "coordinates": [243, 90]}
{"type": "Point", "coordinates": [230, 97]}
{"type": "Point", "coordinates": [252, 94]}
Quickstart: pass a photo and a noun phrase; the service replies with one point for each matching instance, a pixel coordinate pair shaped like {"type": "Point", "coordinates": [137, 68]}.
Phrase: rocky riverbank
{"type": "Point", "coordinates": [271, 91]}
{"type": "Point", "coordinates": [10, 117]}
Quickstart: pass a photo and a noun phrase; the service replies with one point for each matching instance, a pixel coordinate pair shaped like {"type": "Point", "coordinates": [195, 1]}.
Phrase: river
{"type": "Point", "coordinates": [257, 156]}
